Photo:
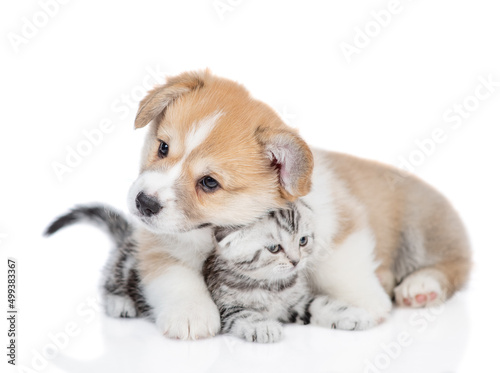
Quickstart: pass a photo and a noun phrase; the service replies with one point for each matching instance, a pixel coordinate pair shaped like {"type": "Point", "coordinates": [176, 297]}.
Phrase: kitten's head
{"type": "Point", "coordinates": [273, 248]}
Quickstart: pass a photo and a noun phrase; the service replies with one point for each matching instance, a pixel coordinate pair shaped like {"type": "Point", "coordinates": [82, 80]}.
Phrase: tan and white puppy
{"type": "Point", "coordinates": [216, 156]}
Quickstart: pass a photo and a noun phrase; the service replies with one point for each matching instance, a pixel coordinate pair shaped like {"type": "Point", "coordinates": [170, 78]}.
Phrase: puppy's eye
{"type": "Point", "coordinates": [303, 241]}
{"type": "Point", "coordinates": [163, 149]}
{"type": "Point", "coordinates": [274, 249]}
{"type": "Point", "coordinates": [209, 184]}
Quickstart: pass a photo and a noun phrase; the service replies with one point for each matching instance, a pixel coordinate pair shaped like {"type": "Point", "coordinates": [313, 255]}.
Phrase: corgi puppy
{"type": "Point", "coordinates": [215, 156]}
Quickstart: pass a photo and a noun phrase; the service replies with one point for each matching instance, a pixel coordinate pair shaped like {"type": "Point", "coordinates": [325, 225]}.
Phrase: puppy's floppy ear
{"type": "Point", "coordinates": [292, 159]}
{"type": "Point", "coordinates": [160, 97]}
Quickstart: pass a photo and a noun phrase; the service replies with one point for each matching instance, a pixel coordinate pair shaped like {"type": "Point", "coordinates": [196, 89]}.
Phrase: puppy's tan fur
{"type": "Point", "coordinates": [393, 208]}
{"type": "Point", "coordinates": [233, 153]}
{"type": "Point", "coordinates": [260, 164]}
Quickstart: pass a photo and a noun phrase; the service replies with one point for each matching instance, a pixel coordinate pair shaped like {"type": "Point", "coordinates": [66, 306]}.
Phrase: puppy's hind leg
{"type": "Point", "coordinates": [433, 261]}
{"type": "Point", "coordinates": [432, 285]}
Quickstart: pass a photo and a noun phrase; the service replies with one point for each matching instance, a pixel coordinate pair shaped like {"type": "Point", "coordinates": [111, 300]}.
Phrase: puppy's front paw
{"type": "Point", "coordinates": [265, 331]}
{"type": "Point", "coordinates": [380, 311]}
{"type": "Point", "coordinates": [189, 320]}
{"type": "Point", "coordinates": [378, 304]}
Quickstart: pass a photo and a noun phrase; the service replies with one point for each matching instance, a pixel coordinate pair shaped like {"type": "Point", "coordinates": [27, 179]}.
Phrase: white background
{"type": "Point", "coordinates": [92, 56]}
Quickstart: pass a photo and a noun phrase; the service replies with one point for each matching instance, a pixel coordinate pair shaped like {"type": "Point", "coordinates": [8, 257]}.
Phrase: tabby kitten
{"type": "Point", "coordinates": [257, 276]}
{"type": "Point", "coordinates": [121, 290]}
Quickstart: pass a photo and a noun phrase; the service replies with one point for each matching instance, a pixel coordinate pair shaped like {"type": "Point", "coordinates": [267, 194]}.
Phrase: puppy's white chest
{"type": "Point", "coordinates": [191, 248]}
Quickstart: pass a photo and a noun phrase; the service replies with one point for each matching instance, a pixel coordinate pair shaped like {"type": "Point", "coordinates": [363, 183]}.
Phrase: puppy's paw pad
{"type": "Point", "coordinates": [119, 306]}
{"type": "Point", "coordinates": [420, 290]}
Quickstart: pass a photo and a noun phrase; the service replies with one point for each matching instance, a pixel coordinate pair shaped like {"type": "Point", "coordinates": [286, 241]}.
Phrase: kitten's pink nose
{"type": "Point", "coordinates": [294, 262]}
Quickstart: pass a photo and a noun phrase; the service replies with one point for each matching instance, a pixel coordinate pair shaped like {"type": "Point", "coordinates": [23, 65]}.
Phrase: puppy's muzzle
{"type": "Point", "coordinates": [147, 205]}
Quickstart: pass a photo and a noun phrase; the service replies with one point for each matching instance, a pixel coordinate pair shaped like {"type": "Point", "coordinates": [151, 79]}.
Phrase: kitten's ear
{"type": "Point", "coordinates": [222, 232]}
{"type": "Point", "coordinates": [158, 99]}
{"type": "Point", "coordinates": [290, 157]}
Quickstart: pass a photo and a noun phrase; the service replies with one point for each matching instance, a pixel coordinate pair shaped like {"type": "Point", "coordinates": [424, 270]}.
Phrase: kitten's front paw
{"type": "Point", "coordinates": [189, 320]}
{"type": "Point", "coordinates": [330, 313]}
{"type": "Point", "coordinates": [354, 318]}
{"type": "Point", "coordinates": [119, 305]}
{"type": "Point", "coordinates": [266, 331]}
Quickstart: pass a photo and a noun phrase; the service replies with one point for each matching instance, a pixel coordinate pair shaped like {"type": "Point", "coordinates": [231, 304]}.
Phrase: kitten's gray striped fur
{"type": "Point", "coordinates": [256, 290]}
{"type": "Point", "coordinates": [121, 289]}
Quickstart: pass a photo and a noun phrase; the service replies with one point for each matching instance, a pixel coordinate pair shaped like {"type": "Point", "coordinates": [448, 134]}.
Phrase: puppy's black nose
{"type": "Point", "coordinates": [147, 205]}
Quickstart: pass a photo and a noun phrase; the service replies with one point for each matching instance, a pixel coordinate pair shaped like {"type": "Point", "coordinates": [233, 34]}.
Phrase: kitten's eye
{"type": "Point", "coordinates": [162, 149]}
{"type": "Point", "coordinates": [303, 241]}
{"type": "Point", "coordinates": [274, 249]}
{"type": "Point", "coordinates": [209, 184]}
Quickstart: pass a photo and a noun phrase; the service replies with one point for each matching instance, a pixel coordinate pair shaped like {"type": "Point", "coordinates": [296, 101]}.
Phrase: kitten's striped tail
{"type": "Point", "coordinates": [104, 217]}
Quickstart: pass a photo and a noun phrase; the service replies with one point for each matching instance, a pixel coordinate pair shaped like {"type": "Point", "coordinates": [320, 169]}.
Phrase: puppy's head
{"type": "Point", "coordinates": [213, 155]}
